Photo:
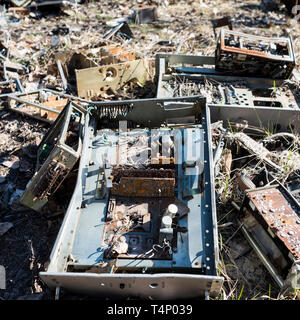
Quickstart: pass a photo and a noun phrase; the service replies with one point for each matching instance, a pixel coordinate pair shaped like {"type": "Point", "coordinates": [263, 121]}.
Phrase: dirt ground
{"type": "Point", "coordinates": [26, 247]}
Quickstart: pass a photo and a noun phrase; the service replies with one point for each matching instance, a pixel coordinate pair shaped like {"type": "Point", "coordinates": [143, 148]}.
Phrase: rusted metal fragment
{"type": "Point", "coordinates": [142, 187]}
{"type": "Point", "coordinates": [143, 183]}
{"type": "Point", "coordinates": [149, 173]}
{"type": "Point", "coordinates": [244, 182]}
{"type": "Point", "coordinates": [53, 103]}
{"type": "Point", "coordinates": [279, 215]}
{"type": "Point", "coordinates": [162, 160]}
{"type": "Point", "coordinates": [96, 81]}
{"type": "Point", "coordinates": [248, 55]}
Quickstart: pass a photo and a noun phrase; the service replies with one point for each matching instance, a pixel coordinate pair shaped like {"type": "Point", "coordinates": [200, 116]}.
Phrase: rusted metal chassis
{"type": "Point", "coordinates": [262, 58]}
{"type": "Point", "coordinates": [271, 217]}
{"type": "Point", "coordinates": [280, 216]}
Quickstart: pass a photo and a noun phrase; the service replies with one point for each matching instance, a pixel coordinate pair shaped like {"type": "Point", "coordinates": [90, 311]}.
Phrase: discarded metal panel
{"type": "Point", "coordinates": [266, 118]}
{"type": "Point", "coordinates": [142, 186]}
{"type": "Point", "coordinates": [247, 55]}
{"type": "Point", "coordinates": [272, 211]}
{"type": "Point", "coordinates": [78, 60]}
{"type": "Point", "coordinates": [145, 14]}
{"type": "Point", "coordinates": [271, 217]}
{"type": "Point", "coordinates": [183, 75]}
{"type": "Point", "coordinates": [92, 82]}
{"type": "Point", "coordinates": [95, 57]}
{"type": "Point", "coordinates": [57, 154]}
{"type": "Point", "coordinates": [140, 240]}
{"type": "Point", "coordinates": [44, 105]}
{"type": "Point", "coordinates": [280, 216]}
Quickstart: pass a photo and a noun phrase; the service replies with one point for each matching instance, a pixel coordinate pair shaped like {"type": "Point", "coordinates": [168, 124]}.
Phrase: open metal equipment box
{"type": "Point", "coordinates": [243, 54]}
{"type": "Point", "coordinates": [187, 75]}
{"type": "Point", "coordinates": [164, 231]}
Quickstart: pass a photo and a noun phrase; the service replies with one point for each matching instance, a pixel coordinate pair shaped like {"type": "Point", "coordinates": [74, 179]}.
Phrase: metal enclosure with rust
{"type": "Point", "coordinates": [254, 56]}
{"type": "Point", "coordinates": [121, 236]}
{"type": "Point", "coordinates": [271, 218]}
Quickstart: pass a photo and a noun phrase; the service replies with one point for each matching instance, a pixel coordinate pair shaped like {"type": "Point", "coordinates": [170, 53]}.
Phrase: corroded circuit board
{"type": "Point", "coordinates": [281, 216]}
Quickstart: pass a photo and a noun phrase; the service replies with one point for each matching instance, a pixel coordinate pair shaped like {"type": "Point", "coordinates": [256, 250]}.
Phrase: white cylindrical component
{"type": "Point", "coordinates": [167, 221]}
{"type": "Point", "coordinates": [172, 210]}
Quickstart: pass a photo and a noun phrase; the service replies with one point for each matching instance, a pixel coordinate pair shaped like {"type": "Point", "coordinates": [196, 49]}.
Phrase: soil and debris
{"type": "Point", "coordinates": [34, 38]}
